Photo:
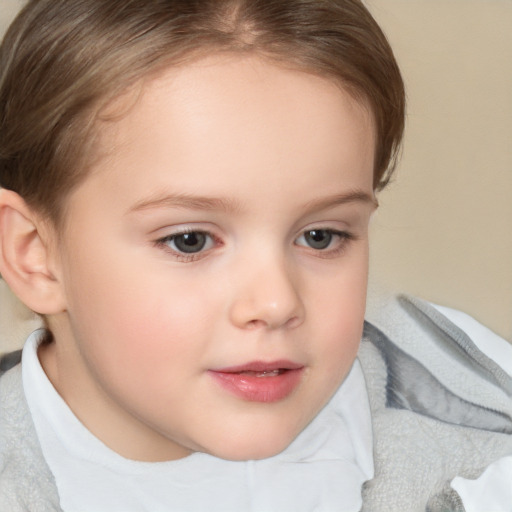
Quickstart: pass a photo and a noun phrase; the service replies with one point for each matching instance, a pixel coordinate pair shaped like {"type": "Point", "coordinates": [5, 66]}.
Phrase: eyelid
{"type": "Point", "coordinates": [162, 243]}
{"type": "Point", "coordinates": [344, 239]}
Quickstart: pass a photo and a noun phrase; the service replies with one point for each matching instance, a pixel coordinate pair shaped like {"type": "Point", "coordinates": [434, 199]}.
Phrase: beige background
{"type": "Point", "coordinates": [443, 231]}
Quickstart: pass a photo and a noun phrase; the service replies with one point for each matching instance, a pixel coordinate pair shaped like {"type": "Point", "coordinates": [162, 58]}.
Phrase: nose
{"type": "Point", "coordinates": [267, 296]}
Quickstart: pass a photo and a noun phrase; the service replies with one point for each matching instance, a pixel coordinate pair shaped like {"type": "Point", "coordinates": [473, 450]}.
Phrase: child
{"type": "Point", "coordinates": [187, 187]}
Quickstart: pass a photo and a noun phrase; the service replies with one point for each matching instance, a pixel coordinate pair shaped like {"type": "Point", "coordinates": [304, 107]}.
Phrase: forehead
{"type": "Point", "coordinates": [224, 114]}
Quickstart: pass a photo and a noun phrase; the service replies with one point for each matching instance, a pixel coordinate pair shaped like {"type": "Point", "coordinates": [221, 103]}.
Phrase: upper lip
{"type": "Point", "coordinates": [260, 366]}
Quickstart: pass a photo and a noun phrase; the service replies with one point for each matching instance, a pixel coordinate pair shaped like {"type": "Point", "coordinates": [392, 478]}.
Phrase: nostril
{"type": "Point", "coordinates": [256, 324]}
{"type": "Point", "coordinates": [294, 322]}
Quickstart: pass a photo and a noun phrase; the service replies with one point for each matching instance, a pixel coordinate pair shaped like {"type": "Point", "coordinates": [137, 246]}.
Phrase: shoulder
{"type": "Point", "coordinates": [412, 334]}
{"type": "Point", "coordinates": [25, 480]}
{"type": "Point", "coordinates": [436, 399]}
{"type": "Point", "coordinates": [492, 345]}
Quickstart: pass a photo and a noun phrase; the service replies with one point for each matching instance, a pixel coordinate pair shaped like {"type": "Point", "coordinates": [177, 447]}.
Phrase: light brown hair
{"type": "Point", "coordinates": [63, 60]}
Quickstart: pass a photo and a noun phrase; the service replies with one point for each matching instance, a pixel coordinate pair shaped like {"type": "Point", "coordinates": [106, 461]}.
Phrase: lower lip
{"type": "Point", "coordinates": [259, 389]}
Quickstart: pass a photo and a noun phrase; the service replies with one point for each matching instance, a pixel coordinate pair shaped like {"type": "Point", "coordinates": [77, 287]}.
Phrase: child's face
{"type": "Point", "coordinates": [214, 263]}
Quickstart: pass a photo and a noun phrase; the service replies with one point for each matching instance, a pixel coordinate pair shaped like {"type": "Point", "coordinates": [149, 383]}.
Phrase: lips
{"type": "Point", "coordinates": [260, 381]}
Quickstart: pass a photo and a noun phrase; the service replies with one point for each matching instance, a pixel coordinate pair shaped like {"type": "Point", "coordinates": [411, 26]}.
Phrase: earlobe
{"type": "Point", "coordinates": [25, 256]}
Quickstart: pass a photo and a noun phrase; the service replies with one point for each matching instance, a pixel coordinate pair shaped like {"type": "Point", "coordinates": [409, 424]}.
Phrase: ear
{"type": "Point", "coordinates": [25, 256]}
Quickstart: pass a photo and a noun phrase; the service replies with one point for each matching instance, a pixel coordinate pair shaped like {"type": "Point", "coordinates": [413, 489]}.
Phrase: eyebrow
{"type": "Point", "coordinates": [191, 202]}
{"type": "Point", "coordinates": [355, 196]}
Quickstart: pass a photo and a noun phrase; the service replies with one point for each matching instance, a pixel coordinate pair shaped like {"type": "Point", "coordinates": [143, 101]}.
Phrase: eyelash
{"type": "Point", "coordinates": [183, 256]}
{"type": "Point", "coordinates": [344, 238]}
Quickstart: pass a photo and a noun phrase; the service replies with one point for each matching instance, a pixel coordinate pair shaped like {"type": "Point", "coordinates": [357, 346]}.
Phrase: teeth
{"type": "Point", "coordinates": [269, 373]}
{"type": "Point", "coordinates": [272, 373]}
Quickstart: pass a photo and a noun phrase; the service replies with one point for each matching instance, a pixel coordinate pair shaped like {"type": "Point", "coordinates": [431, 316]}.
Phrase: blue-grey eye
{"type": "Point", "coordinates": [189, 243]}
{"type": "Point", "coordinates": [318, 238]}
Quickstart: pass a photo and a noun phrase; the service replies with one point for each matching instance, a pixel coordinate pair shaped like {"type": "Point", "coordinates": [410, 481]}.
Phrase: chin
{"type": "Point", "coordinates": [251, 453]}
{"type": "Point", "coordinates": [254, 447]}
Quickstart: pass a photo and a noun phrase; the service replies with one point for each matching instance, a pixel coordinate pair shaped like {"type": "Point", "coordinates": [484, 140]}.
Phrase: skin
{"type": "Point", "coordinates": [276, 153]}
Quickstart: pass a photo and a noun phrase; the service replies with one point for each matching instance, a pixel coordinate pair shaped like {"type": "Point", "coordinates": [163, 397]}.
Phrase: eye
{"type": "Point", "coordinates": [318, 238]}
{"type": "Point", "coordinates": [191, 242]}
{"type": "Point", "coordinates": [327, 240]}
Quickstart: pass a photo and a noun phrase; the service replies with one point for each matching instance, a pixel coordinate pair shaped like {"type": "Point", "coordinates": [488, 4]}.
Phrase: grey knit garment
{"type": "Point", "coordinates": [26, 484]}
{"type": "Point", "coordinates": [434, 417]}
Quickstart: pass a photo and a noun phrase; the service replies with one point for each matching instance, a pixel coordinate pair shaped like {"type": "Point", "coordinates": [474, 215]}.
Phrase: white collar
{"type": "Point", "coordinates": [323, 469]}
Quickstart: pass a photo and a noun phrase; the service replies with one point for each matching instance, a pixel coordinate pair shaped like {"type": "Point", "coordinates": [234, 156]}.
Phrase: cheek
{"type": "Point", "coordinates": [142, 341]}
{"type": "Point", "coordinates": [129, 320]}
{"type": "Point", "coordinates": [147, 320]}
{"type": "Point", "coordinates": [339, 313]}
